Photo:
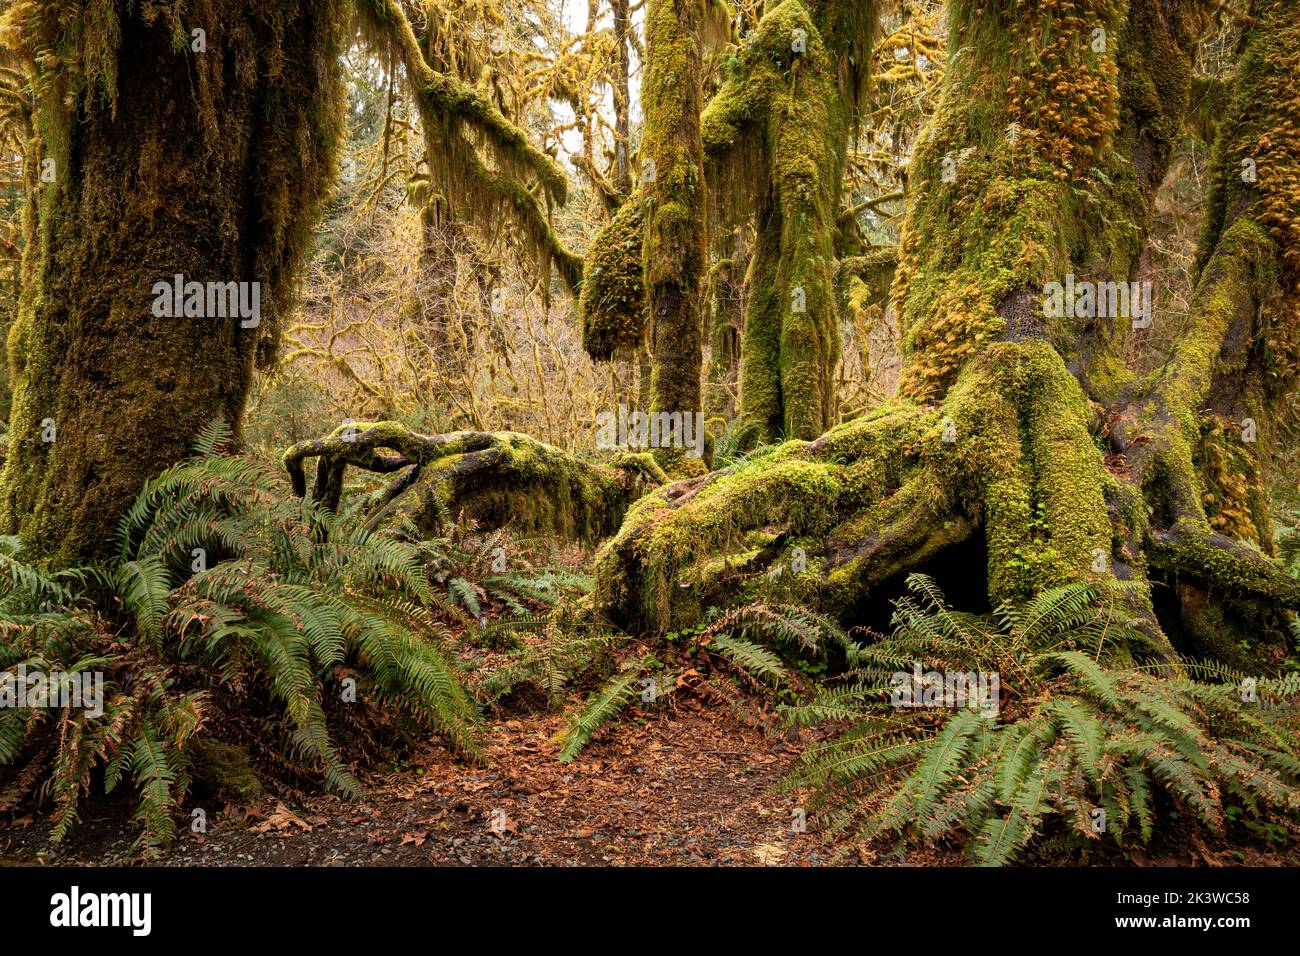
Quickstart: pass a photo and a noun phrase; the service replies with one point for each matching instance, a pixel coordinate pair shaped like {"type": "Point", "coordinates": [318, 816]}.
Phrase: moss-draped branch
{"type": "Point", "coordinates": [458, 122]}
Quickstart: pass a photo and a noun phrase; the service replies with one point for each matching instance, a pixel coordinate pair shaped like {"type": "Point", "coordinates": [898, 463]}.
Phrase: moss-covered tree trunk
{"type": "Point", "coordinates": [622, 177]}
{"type": "Point", "coordinates": [674, 194]}
{"type": "Point", "coordinates": [173, 152]}
{"type": "Point", "coordinates": [775, 137]}
{"type": "Point", "coordinates": [1039, 168]}
{"type": "Point", "coordinates": [1199, 435]}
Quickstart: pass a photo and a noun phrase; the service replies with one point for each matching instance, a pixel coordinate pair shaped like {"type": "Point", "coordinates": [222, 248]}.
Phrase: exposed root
{"type": "Point", "coordinates": [1224, 565]}
{"type": "Point", "coordinates": [797, 508]}
{"type": "Point", "coordinates": [495, 478]}
{"type": "Point", "coordinates": [831, 522]}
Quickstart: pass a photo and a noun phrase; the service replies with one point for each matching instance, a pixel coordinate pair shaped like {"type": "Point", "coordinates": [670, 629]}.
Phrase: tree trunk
{"type": "Point", "coordinates": [622, 99]}
{"type": "Point", "coordinates": [205, 155]}
{"type": "Point", "coordinates": [775, 136]}
{"type": "Point", "coordinates": [1200, 435]}
{"type": "Point", "coordinates": [674, 193]}
{"type": "Point", "coordinates": [994, 444]}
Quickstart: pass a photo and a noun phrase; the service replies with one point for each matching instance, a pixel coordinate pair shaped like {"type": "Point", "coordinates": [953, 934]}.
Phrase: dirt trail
{"type": "Point", "coordinates": [684, 788]}
{"type": "Point", "coordinates": [689, 786]}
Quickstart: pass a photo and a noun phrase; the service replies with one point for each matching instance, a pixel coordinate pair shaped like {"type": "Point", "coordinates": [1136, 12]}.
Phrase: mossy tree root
{"type": "Point", "coordinates": [693, 541]}
{"type": "Point", "coordinates": [497, 479]}
{"type": "Point", "coordinates": [1223, 563]}
{"type": "Point", "coordinates": [837, 521]}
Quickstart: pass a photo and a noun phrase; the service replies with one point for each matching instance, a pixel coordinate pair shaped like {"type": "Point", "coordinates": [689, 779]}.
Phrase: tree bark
{"type": "Point", "coordinates": [167, 160]}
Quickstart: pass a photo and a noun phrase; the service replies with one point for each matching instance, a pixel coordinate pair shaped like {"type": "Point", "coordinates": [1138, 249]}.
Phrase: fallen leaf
{"type": "Point", "coordinates": [768, 854]}
{"type": "Point", "coordinates": [282, 818]}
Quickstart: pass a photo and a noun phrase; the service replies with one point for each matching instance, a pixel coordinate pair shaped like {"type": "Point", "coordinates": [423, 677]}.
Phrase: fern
{"type": "Point", "coordinates": [751, 657]}
{"type": "Point", "coordinates": [561, 655]}
{"type": "Point", "coordinates": [1083, 726]}
{"type": "Point", "coordinates": [221, 569]}
{"type": "Point", "coordinates": [601, 708]}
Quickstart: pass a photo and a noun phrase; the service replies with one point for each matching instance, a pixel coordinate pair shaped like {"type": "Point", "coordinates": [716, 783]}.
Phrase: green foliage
{"type": "Point", "coordinates": [737, 439]}
{"type": "Point", "coordinates": [222, 572]}
{"type": "Point", "coordinates": [46, 627]}
{"type": "Point", "coordinates": [751, 657]}
{"type": "Point", "coordinates": [603, 707]}
{"type": "Point", "coordinates": [796, 631]}
{"type": "Point", "coordinates": [750, 640]}
{"type": "Point", "coordinates": [1084, 736]}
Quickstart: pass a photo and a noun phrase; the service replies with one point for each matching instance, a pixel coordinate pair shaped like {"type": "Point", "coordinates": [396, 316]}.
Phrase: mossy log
{"type": "Point", "coordinates": [497, 479]}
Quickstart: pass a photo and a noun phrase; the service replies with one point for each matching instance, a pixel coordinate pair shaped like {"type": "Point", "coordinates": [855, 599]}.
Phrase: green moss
{"type": "Point", "coordinates": [1010, 452]}
{"type": "Point", "coordinates": [677, 540]}
{"type": "Point", "coordinates": [1058, 150]}
{"type": "Point", "coordinates": [1240, 571]}
{"type": "Point", "coordinates": [228, 188]}
{"type": "Point", "coordinates": [223, 770]}
{"type": "Point", "coordinates": [613, 298]}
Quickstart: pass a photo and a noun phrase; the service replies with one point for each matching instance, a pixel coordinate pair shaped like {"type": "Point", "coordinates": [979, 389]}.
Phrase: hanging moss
{"type": "Point", "coordinates": [459, 125]}
{"type": "Point", "coordinates": [613, 298]}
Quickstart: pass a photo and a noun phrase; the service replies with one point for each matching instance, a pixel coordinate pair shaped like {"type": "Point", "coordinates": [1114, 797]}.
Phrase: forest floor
{"type": "Point", "coordinates": [687, 787]}
{"type": "Point", "coordinates": [684, 788]}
